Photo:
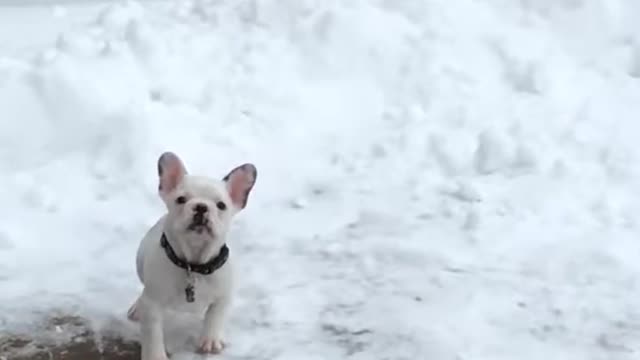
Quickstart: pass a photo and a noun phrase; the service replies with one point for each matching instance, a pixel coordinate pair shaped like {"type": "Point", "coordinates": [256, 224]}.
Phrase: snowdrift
{"type": "Point", "coordinates": [438, 179]}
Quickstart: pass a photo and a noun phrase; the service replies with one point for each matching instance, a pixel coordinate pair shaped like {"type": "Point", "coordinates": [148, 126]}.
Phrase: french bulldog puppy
{"type": "Point", "coordinates": [183, 261]}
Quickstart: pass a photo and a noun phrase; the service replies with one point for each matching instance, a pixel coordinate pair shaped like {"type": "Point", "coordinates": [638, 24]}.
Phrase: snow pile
{"type": "Point", "coordinates": [436, 179]}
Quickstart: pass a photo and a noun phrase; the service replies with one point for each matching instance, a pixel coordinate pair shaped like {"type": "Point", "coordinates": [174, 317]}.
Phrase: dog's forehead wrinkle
{"type": "Point", "coordinates": [201, 186]}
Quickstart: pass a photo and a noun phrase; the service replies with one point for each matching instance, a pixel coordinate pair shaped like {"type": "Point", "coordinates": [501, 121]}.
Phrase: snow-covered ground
{"type": "Point", "coordinates": [437, 179]}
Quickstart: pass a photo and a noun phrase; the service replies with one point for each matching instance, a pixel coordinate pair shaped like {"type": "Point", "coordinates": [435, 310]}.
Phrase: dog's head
{"type": "Point", "coordinates": [200, 209]}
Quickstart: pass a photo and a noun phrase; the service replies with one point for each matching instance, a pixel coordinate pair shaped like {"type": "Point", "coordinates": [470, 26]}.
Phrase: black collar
{"type": "Point", "coordinates": [207, 268]}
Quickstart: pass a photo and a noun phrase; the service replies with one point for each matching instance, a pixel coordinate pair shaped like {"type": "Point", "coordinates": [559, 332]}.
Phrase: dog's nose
{"type": "Point", "coordinates": [200, 208]}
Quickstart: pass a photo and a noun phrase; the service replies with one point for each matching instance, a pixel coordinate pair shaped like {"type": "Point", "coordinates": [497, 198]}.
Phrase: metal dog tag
{"type": "Point", "coordinates": [190, 293]}
{"type": "Point", "coordinates": [190, 290]}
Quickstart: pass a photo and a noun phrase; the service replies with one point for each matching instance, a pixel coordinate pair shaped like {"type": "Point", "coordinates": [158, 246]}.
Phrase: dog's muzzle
{"type": "Point", "coordinates": [200, 222]}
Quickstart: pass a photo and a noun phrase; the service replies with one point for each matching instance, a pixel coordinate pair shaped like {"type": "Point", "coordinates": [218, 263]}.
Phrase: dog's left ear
{"type": "Point", "coordinates": [240, 181]}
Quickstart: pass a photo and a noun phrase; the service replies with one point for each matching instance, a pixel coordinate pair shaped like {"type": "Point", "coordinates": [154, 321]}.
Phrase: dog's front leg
{"type": "Point", "coordinates": [151, 327]}
{"type": "Point", "coordinates": [212, 338]}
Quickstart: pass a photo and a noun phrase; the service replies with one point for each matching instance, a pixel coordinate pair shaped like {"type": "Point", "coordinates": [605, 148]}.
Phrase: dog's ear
{"type": "Point", "coordinates": [240, 181]}
{"type": "Point", "coordinates": [170, 172]}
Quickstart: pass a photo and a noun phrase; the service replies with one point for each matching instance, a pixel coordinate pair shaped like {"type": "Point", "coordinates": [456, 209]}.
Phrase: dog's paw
{"type": "Point", "coordinates": [211, 346]}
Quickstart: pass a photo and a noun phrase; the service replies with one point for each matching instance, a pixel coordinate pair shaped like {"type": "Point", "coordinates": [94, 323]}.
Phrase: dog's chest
{"type": "Point", "coordinates": [198, 292]}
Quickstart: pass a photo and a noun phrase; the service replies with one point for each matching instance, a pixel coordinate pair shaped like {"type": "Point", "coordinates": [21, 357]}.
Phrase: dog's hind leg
{"type": "Point", "coordinates": [134, 311]}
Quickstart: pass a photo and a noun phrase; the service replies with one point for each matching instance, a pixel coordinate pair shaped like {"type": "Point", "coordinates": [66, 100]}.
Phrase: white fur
{"type": "Point", "coordinates": [164, 283]}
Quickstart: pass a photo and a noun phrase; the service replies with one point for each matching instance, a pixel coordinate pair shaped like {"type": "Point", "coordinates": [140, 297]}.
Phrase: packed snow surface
{"type": "Point", "coordinates": [437, 179]}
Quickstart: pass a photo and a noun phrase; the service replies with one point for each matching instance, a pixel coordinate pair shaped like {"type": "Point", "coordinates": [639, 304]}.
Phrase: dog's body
{"type": "Point", "coordinates": [200, 211]}
{"type": "Point", "coordinates": [165, 282]}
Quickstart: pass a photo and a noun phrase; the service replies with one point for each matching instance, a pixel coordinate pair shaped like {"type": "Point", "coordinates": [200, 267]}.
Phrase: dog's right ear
{"type": "Point", "coordinates": [171, 171]}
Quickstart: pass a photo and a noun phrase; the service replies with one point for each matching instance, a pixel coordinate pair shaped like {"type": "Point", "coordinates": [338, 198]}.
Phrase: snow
{"type": "Point", "coordinates": [443, 180]}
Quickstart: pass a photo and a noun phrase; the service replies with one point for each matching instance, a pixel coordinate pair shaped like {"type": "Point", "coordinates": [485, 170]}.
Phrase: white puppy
{"type": "Point", "coordinates": [183, 260]}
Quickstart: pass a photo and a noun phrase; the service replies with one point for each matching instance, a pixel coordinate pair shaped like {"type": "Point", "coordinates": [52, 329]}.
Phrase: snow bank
{"type": "Point", "coordinates": [436, 179]}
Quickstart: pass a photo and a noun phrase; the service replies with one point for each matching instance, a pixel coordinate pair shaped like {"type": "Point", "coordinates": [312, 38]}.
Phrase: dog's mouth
{"type": "Point", "coordinates": [200, 224]}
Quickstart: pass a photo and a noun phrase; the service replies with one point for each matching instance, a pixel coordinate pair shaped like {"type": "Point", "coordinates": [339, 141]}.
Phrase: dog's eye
{"type": "Point", "coordinates": [181, 200]}
{"type": "Point", "coordinates": [221, 205]}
